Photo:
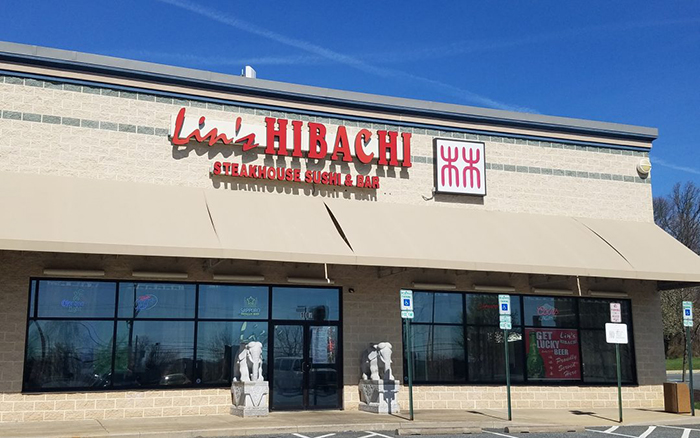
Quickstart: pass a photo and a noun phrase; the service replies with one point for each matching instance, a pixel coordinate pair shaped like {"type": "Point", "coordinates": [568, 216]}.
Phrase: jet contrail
{"type": "Point", "coordinates": [338, 57]}
{"type": "Point", "coordinates": [664, 163]}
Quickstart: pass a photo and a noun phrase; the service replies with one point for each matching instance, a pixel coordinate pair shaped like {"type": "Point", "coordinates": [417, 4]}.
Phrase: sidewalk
{"type": "Point", "coordinates": [332, 421]}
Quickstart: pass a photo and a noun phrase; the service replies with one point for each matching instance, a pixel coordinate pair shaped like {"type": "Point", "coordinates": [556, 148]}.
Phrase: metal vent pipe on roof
{"type": "Point", "coordinates": [249, 72]}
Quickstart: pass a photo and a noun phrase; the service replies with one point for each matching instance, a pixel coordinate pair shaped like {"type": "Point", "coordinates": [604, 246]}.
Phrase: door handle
{"type": "Point", "coordinates": [306, 366]}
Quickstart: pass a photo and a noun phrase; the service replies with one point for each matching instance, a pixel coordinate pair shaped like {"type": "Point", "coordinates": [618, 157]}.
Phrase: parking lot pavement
{"type": "Point", "coordinates": [660, 431]}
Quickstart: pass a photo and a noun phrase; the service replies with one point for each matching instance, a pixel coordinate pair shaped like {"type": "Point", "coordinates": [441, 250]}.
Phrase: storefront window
{"type": "Point", "coordinates": [68, 354]}
{"type": "Point", "coordinates": [310, 304]}
{"type": "Point", "coordinates": [482, 309]}
{"type": "Point", "coordinates": [103, 335]}
{"type": "Point", "coordinates": [550, 312]}
{"type": "Point", "coordinates": [76, 299]}
{"type": "Point", "coordinates": [154, 353]}
{"type": "Point", "coordinates": [553, 339]}
{"type": "Point", "coordinates": [233, 302]}
{"type": "Point", "coordinates": [486, 354]}
{"type": "Point", "coordinates": [156, 300]}
{"type": "Point", "coordinates": [438, 307]}
{"type": "Point", "coordinates": [438, 353]}
{"type": "Point", "coordinates": [552, 354]}
{"type": "Point", "coordinates": [599, 363]}
{"type": "Point", "coordinates": [218, 342]}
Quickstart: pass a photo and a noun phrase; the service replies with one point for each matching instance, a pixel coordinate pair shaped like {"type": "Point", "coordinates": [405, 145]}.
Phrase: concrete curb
{"type": "Point", "coordinates": [437, 430]}
{"type": "Point", "coordinates": [544, 429]}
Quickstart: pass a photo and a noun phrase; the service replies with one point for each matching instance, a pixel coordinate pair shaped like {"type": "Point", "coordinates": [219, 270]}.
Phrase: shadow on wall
{"type": "Point", "coordinates": [458, 199]}
{"type": "Point", "coordinates": [293, 188]}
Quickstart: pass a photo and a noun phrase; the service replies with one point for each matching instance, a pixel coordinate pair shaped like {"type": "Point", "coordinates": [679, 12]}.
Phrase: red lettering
{"type": "Point", "coordinates": [375, 182]}
{"type": "Point", "coordinates": [216, 169]}
{"type": "Point", "coordinates": [296, 130]}
{"type": "Point", "coordinates": [308, 176]}
{"type": "Point", "coordinates": [297, 175]}
{"type": "Point", "coordinates": [214, 136]}
{"type": "Point", "coordinates": [179, 121]}
{"type": "Point", "coordinates": [248, 142]}
{"type": "Point", "coordinates": [406, 137]}
{"type": "Point", "coordinates": [342, 145]}
{"type": "Point", "coordinates": [361, 140]}
{"type": "Point", "coordinates": [244, 170]}
{"type": "Point", "coordinates": [318, 147]}
{"type": "Point", "coordinates": [234, 169]}
{"type": "Point", "coordinates": [360, 181]}
{"type": "Point", "coordinates": [387, 146]}
{"type": "Point", "coordinates": [227, 168]}
{"type": "Point", "coordinates": [289, 174]}
{"type": "Point", "coordinates": [272, 134]}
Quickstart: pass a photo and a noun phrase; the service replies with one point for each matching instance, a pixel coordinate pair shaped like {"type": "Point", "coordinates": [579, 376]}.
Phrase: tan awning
{"type": "Point", "coordinates": [455, 238]}
{"type": "Point", "coordinates": [61, 214]}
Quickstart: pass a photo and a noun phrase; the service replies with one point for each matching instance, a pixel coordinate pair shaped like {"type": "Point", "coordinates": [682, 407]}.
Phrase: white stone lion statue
{"type": "Point", "coordinates": [374, 358]}
{"type": "Point", "coordinates": [248, 366]}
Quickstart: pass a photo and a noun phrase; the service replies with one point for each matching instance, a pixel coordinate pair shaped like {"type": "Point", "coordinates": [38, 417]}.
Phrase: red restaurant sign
{"type": "Point", "coordinates": [296, 139]}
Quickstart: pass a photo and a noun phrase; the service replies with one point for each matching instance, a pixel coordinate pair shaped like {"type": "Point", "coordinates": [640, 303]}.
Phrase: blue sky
{"type": "Point", "coordinates": [635, 62]}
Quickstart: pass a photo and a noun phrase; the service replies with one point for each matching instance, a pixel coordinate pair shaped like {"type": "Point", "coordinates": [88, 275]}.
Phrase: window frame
{"type": "Point", "coordinates": [33, 308]}
{"type": "Point", "coordinates": [523, 353]}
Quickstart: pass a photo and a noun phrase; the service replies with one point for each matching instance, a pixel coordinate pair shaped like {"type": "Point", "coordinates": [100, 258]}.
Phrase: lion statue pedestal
{"type": "Point", "coordinates": [379, 391]}
{"type": "Point", "coordinates": [249, 391]}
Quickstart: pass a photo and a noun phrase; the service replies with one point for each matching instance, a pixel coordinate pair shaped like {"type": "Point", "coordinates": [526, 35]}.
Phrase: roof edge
{"type": "Point", "coordinates": [107, 65]}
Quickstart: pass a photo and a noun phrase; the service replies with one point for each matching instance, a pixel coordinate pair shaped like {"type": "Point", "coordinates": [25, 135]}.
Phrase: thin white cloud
{"type": "Point", "coordinates": [203, 60]}
{"type": "Point", "coordinates": [341, 58]}
{"type": "Point", "coordinates": [663, 163]}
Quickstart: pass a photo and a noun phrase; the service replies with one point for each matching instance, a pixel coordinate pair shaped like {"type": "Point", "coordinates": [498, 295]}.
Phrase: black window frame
{"type": "Point", "coordinates": [522, 326]}
{"type": "Point", "coordinates": [32, 315]}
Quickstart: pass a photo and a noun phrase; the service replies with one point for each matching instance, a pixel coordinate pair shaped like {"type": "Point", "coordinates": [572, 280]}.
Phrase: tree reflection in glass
{"type": "Point", "coordinates": [68, 354]}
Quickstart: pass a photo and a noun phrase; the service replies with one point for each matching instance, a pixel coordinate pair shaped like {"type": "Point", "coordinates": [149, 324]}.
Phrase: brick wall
{"type": "Point", "coordinates": [370, 315]}
{"type": "Point", "coordinates": [63, 129]}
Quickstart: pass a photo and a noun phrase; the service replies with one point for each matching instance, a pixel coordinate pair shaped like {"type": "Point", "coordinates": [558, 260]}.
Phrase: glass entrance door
{"type": "Point", "coordinates": [306, 369]}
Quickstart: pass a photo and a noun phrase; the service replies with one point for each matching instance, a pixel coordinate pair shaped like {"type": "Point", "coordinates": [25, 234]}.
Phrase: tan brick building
{"type": "Point", "coordinates": [139, 247]}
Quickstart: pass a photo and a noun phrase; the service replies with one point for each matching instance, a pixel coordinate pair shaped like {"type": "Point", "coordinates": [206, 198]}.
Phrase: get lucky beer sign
{"type": "Point", "coordinates": [295, 139]}
{"type": "Point", "coordinates": [553, 354]}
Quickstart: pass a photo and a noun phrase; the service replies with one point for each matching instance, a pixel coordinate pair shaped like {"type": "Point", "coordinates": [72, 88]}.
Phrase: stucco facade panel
{"type": "Point", "coordinates": [59, 148]}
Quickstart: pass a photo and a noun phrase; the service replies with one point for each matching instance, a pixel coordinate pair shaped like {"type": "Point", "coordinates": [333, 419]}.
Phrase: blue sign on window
{"type": "Point", "coordinates": [687, 312]}
{"type": "Point", "coordinates": [504, 306]}
{"type": "Point", "coordinates": [406, 302]}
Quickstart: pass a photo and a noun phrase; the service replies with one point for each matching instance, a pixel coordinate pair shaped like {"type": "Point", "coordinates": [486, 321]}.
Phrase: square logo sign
{"type": "Point", "coordinates": [460, 167]}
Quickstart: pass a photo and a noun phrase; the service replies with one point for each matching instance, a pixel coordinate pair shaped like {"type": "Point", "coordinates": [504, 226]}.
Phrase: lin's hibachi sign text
{"type": "Point", "coordinates": [297, 139]}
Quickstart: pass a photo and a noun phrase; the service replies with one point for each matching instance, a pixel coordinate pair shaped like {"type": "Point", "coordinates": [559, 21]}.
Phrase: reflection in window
{"type": "Point", "coordinates": [599, 362]}
{"type": "Point", "coordinates": [438, 353]}
{"type": "Point", "coordinates": [218, 343]}
{"type": "Point", "coordinates": [594, 313]}
{"type": "Point", "coordinates": [550, 311]}
{"type": "Point", "coordinates": [68, 354]}
{"type": "Point", "coordinates": [438, 307]}
{"type": "Point", "coordinates": [486, 354]}
{"type": "Point", "coordinates": [154, 353]}
{"type": "Point", "coordinates": [233, 302]}
{"type": "Point", "coordinates": [311, 304]}
{"type": "Point", "coordinates": [156, 300]}
{"type": "Point", "coordinates": [482, 309]}
{"type": "Point", "coordinates": [76, 299]}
